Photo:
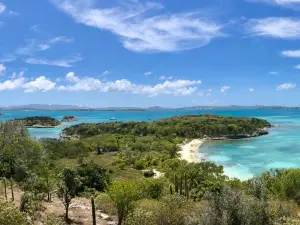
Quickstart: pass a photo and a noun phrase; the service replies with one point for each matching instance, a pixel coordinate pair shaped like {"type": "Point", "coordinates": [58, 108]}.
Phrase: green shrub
{"type": "Point", "coordinates": [139, 165]}
{"type": "Point", "coordinates": [10, 215]}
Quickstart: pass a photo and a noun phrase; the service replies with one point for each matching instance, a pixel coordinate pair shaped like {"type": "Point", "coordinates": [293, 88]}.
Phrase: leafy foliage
{"type": "Point", "coordinates": [39, 121]}
{"type": "Point", "coordinates": [194, 126]}
{"type": "Point", "coordinates": [9, 214]}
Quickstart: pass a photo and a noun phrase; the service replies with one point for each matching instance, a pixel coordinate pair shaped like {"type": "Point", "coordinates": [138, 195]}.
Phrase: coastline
{"type": "Point", "coordinates": [190, 151]}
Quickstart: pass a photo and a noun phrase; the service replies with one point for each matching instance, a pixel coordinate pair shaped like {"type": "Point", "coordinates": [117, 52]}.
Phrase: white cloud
{"type": "Point", "coordinates": [14, 75]}
{"type": "Point", "coordinates": [273, 72]}
{"type": "Point", "coordinates": [224, 89]}
{"type": "Point", "coordinates": [285, 86]}
{"type": "Point", "coordinates": [286, 3]}
{"type": "Point", "coordinates": [2, 7]}
{"type": "Point", "coordinates": [39, 84]}
{"type": "Point", "coordinates": [58, 80]}
{"type": "Point", "coordinates": [176, 87]}
{"type": "Point", "coordinates": [43, 47]}
{"type": "Point", "coordinates": [148, 73]}
{"type": "Point", "coordinates": [141, 32]}
{"type": "Point", "coordinates": [12, 84]}
{"type": "Point", "coordinates": [72, 78]}
{"type": "Point", "coordinates": [60, 39]}
{"type": "Point", "coordinates": [8, 58]}
{"type": "Point", "coordinates": [291, 53]}
{"type": "Point", "coordinates": [166, 78]}
{"type": "Point", "coordinates": [251, 89]}
{"type": "Point", "coordinates": [205, 93]}
{"type": "Point", "coordinates": [75, 83]}
{"type": "Point", "coordinates": [105, 73]}
{"type": "Point", "coordinates": [2, 69]}
{"type": "Point", "coordinates": [297, 67]}
{"type": "Point", "coordinates": [13, 13]}
{"type": "Point", "coordinates": [29, 49]}
{"type": "Point", "coordinates": [58, 62]}
{"type": "Point", "coordinates": [276, 27]}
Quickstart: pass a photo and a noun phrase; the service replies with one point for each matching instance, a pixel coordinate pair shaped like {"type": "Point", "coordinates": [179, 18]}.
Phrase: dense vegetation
{"type": "Point", "coordinates": [39, 121]}
{"type": "Point", "coordinates": [194, 126]}
{"type": "Point", "coordinates": [110, 167]}
{"type": "Point", "coordinates": [69, 119]}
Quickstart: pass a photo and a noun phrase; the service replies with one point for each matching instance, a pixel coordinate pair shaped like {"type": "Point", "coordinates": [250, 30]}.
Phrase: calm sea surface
{"type": "Point", "coordinates": [242, 158]}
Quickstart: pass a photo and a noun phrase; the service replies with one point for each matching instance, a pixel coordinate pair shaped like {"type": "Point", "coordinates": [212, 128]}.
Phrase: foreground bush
{"type": "Point", "coordinates": [10, 215]}
{"type": "Point", "coordinates": [170, 210]}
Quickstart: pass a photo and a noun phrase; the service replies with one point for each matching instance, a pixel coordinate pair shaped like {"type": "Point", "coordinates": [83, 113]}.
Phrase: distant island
{"type": "Point", "coordinates": [56, 107]}
{"type": "Point", "coordinates": [69, 119]}
{"type": "Point", "coordinates": [192, 126]}
{"type": "Point", "coordinates": [40, 122]}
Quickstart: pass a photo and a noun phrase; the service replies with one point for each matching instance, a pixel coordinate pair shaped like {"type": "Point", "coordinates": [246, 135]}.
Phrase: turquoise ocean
{"type": "Point", "coordinates": [241, 158]}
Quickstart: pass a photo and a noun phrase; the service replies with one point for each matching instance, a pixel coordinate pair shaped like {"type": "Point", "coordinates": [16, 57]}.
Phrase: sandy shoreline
{"type": "Point", "coordinates": [190, 151]}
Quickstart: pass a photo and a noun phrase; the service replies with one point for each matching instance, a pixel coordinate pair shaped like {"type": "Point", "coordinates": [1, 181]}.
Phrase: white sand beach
{"type": "Point", "coordinates": [190, 151]}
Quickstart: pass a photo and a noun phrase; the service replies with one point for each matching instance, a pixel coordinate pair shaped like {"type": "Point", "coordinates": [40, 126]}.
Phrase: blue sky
{"type": "Point", "coordinates": [145, 53]}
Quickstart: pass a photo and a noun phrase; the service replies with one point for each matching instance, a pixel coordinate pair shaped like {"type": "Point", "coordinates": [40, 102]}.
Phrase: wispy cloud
{"type": "Point", "coordinates": [2, 7]}
{"type": "Point", "coordinates": [291, 53]}
{"type": "Point", "coordinates": [224, 89]}
{"type": "Point", "coordinates": [141, 32]}
{"type": "Point", "coordinates": [59, 62]}
{"type": "Point", "coordinates": [148, 73]}
{"type": "Point", "coordinates": [43, 47]}
{"type": "Point", "coordinates": [273, 72]}
{"type": "Point", "coordinates": [297, 67]}
{"type": "Point", "coordinates": [285, 3]}
{"type": "Point", "coordinates": [8, 58]}
{"type": "Point", "coordinates": [60, 39]}
{"type": "Point", "coordinates": [32, 46]}
{"type": "Point", "coordinates": [13, 13]}
{"type": "Point", "coordinates": [105, 73]}
{"type": "Point", "coordinates": [205, 93]}
{"type": "Point", "coordinates": [285, 86]}
{"type": "Point", "coordinates": [166, 78]}
{"type": "Point", "coordinates": [275, 27]}
{"type": "Point", "coordinates": [2, 69]}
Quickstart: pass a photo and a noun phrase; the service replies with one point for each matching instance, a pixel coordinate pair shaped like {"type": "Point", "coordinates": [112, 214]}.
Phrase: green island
{"type": "Point", "coordinates": [69, 119]}
{"type": "Point", "coordinates": [39, 122]}
{"type": "Point", "coordinates": [192, 126]}
{"type": "Point", "coordinates": [132, 174]}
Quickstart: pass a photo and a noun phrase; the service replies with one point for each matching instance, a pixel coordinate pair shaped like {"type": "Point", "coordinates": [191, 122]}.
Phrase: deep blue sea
{"type": "Point", "coordinates": [242, 159]}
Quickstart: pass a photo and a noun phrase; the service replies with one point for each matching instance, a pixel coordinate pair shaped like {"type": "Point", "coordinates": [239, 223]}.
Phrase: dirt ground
{"type": "Point", "coordinates": [80, 211]}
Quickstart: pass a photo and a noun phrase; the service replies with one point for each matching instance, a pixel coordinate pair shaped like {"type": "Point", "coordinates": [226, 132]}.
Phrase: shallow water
{"type": "Point", "coordinates": [240, 158]}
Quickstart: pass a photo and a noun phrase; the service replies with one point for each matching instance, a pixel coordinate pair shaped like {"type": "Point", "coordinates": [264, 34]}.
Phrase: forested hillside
{"type": "Point", "coordinates": [109, 179]}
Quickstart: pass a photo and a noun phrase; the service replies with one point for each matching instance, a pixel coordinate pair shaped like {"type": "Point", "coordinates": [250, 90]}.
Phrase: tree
{"type": "Point", "coordinates": [32, 205]}
{"type": "Point", "coordinates": [69, 182]}
{"type": "Point", "coordinates": [47, 178]}
{"type": "Point", "coordinates": [93, 176]}
{"type": "Point", "coordinates": [124, 194]}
